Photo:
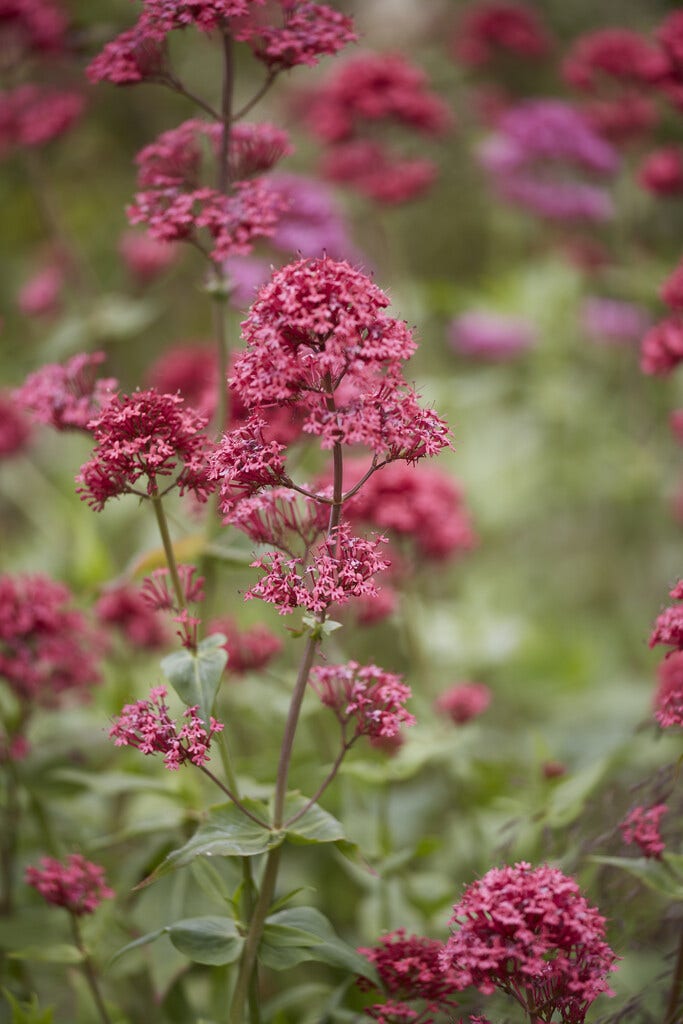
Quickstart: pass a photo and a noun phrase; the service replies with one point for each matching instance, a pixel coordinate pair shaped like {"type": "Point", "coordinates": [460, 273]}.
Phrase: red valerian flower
{"type": "Point", "coordinates": [137, 55]}
{"type": "Point", "coordinates": [145, 258]}
{"type": "Point", "coordinates": [668, 700]}
{"type": "Point", "coordinates": [662, 347]}
{"type": "Point", "coordinates": [615, 53]}
{"type": "Point", "coordinates": [662, 171]}
{"type": "Point", "coordinates": [125, 608]}
{"type": "Point", "coordinates": [145, 436]}
{"type": "Point", "coordinates": [280, 518]}
{"type": "Point", "coordinates": [364, 694]}
{"type": "Point", "coordinates": [15, 429]}
{"type": "Point", "coordinates": [248, 649]}
{"type": "Point", "coordinates": [206, 15]}
{"type": "Point", "coordinates": [76, 884]}
{"type": "Point", "coordinates": [671, 291]}
{"type": "Point", "coordinates": [33, 115]}
{"type": "Point", "coordinates": [158, 594]}
{"type": "Point", "coordinates": [67, 396]}
{"type": "Point", "coordinates": [148, 726]}
{"type": "Point", "coordinates": [343, 566]}
{"type": "Point", "coordinates": [410, 972]}
{"type": "Point", "coordinates": [47, 648]}
{"type": "Point", "coordinates": [488, 29]}
{"type": "Point", "coordinates": [41, 295]}
{"type": "Point", "coordinates": [308, 31]}
{"type": "Point", "coordinates": [377, 172]}
{"type": "Point", "coordinates": [422, 504]}
{"type": "Point", "coordinates": [641, 826]}
{"type": "Point", "coordinates": [464, 701]}
{"type": "Point", "coordinates": [530, 933]}
{"type": "Point", "coordinates": [244, 462]}
{"type": "Point", "coordinates": [37, 26]}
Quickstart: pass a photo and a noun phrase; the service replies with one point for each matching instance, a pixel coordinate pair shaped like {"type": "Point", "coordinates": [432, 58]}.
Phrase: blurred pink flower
{"type": "Point", "coordinates": [76, 884]}
{"type": "Point", "coordinates": [464, 701]}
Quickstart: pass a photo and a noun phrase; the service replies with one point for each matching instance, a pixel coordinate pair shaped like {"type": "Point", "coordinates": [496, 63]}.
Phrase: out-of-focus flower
{"type": "Point", "coordinates": [67, 396]}
{"type": "Point", "coordinates": [76, 884]}
{"type": "Point", "coordinates": [410, 972]}
{"type": "Point", "coordinates": [248, 649]}
{"type": "Point", "coordinates": [146, 258]}
{"type": "Point", "coordinates": [641, 826]}
{"type": "Point", "coordinates": [41, 295]}
{"type": "Point", "coordinates": [47, 649]}
{"type": "Point", "coordinates": [15, 429]}
{"type": "Point", "coordinates": [553, 769]}
{"type": "Point", "coordinates": [377, 172]}
{"type": "Point", "coordinates": [463, 702]}
{"type": "Point", "coordinates": [661, 171]}
{"type": "Point", "coordinates": [312, 224]}
{"type": "Point", "coordinates": [33, 115]}
{"type": "Point", "coordinates": [148, 726]}
{"type": "Point", "coordinates": [417, 503]}
{"type": "Point", "coordinates": [668, 699]}
{"type": "Point", "coordinates": [125, 608]}
{"type": "Point", "coordinates": [487, 30]}
{"type": "Point", "coordinates": [662, 347]}
{"type": "Point", "coordinates": [615, 53]}
{"type": "Point", "coordinates": [538, 154]}
{"type": "Point", "coordinates": [150, 437]}
{"type": "Point", "coordinates": [613, 322]}
{"type": "Point", "coordinates": [246, 274]}
{"type": "Point", "coordinates": [31, 27]}
{"type": "Point", "coordinates": [307, 32]}
{"type": "Point", "coordinates": [493, 337]}
{"type": "Point", "coordinates": [671, 291]}
{"type": "Point", "coordinates": [366, 695]}
{"type": "Point", "coordinates": [530, 933]}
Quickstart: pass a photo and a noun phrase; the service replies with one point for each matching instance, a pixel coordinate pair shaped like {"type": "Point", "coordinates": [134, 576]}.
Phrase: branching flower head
{"type": "Point", "coordinates": [342, 567]}
{"type": "Point", "coordinates": [306, 32]}
{"type": "Point", "coordinates": [244, 463]}
{"type": "Point", "coordinates": [124, 607]}
{"type": "Point", "coordinates": [148, 726]}
{"type": "Point", "coordinates": [529, 932]}
{"type": "Point", "coordinates": [662, 347]}
{"type": "Point", "coordinates": [150, 437]}
{"type": "Point", "coordinates": [76, 884]}
{"type": "Point", "coordinates": [366, 695]}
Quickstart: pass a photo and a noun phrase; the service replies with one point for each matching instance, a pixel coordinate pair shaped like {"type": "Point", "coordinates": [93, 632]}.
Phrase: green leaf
{"type": "Point", "coordinates": [28, 1013]}
{"type": "Point", "coordinates": [59, 953]}
{"type": "Point", "coordinates": [144, 940]}
{"type": "Point", "coordinates": [315, 826]}
{"type": "Point", "coordinates": [207, 940]}
{"type": "Point", "coordinates": [298, 934]}
{"type": "Point", "coordinates": [651, 872]}
{"type": "Point", "coordinates": [196, 675]}
{"type": "Point", "coordinates": [227, 832]}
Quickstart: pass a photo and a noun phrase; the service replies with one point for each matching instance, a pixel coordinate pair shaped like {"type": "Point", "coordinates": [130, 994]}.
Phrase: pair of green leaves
{"type": "Point", "coordinates": [290, 937]}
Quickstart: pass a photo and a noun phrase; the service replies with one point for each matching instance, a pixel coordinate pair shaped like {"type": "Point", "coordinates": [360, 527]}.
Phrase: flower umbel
{"type": "Point", "coordinates": [78, 885]}
{"type": "Point", "coordinates": [148, 726]}
{"type": "Point", "coordinates": [365, 694]}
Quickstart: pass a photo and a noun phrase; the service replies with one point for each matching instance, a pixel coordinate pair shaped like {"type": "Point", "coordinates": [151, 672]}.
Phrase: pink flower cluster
{"type": "Point", "coordinates": [69, 395]}
{"type": "Point", "coordinates": [342, 567]}
{"type": "Point", "coordinates": [248, 649]}
{"type": "Point", "coordinates": [145, 436]}
{"type": "Point", "coordinates": [41, 294]}
{"type": "Point", "coordinates": [47, 648]}
{"type": "Point", "coordinates": [33, 115]}
{"type": "Point", "coordinates": [662, 171]}
{"type": "Point", "coordinates": [288, 33]}
{"type": "Point", "coordinates": [641, 826]}
{"type": "Point", "coordinates": [668, 629]}
{"type": "Point", "coordinates": [175, 206]}
{"type": "Point", "coordinates": [318, 335]}
{"type": "Point", "coordinates": [157, 593]}
{"type": "Point", "coordinates": [365, 92]}
{"type": "Point", "coordinates": [125, 608]}
{"type": "Point", "coordinates": [148, 726]}
{"type": "Point", "coordinates": [487, 30]}
{"type": "Point", "coordinates": [668, 700]}
{"type": "Point", "coordinates": [366, 694]}
{"type": "Point", "coordinates": [32, 26]}
{"type": "Point", "coordinates": [464, 701]}
{"type": "Point", "coordinates": [410, 972]}
{"type": "Point", "coordinates": [529, 932]}
{"type": "Point", "coordinates": [14, 427]}
{"type": "Point", "coordinates": [144, 257]}
{"type": "Point", "coordinates": [417, 503]}
{"type": "Point", "coordinates": [539, 156]}
{"type": "Point", "coordinates": [76, 884]}
{"type": "Point", "coordinates": [491, 337]}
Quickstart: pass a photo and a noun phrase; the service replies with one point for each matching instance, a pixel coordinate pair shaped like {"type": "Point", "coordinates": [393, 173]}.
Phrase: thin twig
{"type": "Point", "coordinates": [323, 785]}
{"type": "Point", "coordinates": [272, 75]}
{"type": "Point", "coordinates": [237, 802]}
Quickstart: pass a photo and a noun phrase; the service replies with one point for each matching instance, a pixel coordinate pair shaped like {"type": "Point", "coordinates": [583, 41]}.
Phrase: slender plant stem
{"type": "Point", "coordinates": [243, 111]}
{"type": "Point", "coordinates": [235, 799]}
{"type": "Point", "coordinates": [177, 86]}
{"type": "Point", "coordinates": [162, 523]}
{"type": "Point", "coordinates": [89, 970]}
{"type": "Point", "coordinates": [226, 113]}
{"type": "Point", "coordinates": [329, 778]}
{"type": "Point", "coordinates": [8, 840]}
{"type": "Point", "coordinates": [676, 986]}
{"type": "Point", "coordinates": [253, 939]}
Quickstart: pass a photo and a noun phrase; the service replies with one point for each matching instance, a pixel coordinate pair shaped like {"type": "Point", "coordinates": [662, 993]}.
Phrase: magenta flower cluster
{"type": "Point", "coordinates": [529, 932]}
{"type": "Point", "coordinates": [148, 726]}
{"type": "Point", "coordinates": [76, 884]}
{"type": "Point", "coordinates": [366, 695]}
{"type": "Point", "coordinates": [641, 826]}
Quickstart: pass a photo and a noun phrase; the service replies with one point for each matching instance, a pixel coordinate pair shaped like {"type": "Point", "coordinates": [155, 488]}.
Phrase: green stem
{"type": "Point", "coordinates": [89, 971]}
{"type": "Point", "coordinates": [676, 986]}
{"type": "Point", "coordinates": [162, 523]}
{"type": "Point", "coordinates": [251, 945]}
